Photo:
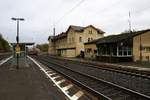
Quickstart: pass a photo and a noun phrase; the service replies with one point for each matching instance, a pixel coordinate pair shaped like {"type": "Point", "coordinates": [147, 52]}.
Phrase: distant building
{"type": "Point", "coordinates": [71, 42]}
{"type": "Point", "coordinates": [132, 46]}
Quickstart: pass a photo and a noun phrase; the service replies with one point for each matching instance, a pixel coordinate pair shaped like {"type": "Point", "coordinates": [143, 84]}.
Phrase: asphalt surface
{"type": "Point", "coordinates": [27, 83]}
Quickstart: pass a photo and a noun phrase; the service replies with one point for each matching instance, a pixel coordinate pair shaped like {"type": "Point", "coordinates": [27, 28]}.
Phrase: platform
{"type": "Point", "coordinates": [27, 83]}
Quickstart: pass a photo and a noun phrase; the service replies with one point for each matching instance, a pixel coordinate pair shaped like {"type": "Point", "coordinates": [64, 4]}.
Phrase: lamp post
{"type": "Point", "coordinates": [17, 37]}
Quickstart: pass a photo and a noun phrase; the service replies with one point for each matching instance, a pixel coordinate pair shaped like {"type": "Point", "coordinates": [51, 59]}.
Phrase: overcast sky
{"type": "Point", "coordinates": [40, 15]}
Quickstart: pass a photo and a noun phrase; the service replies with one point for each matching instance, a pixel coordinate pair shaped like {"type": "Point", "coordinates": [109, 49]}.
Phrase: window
{"type": "Point", "coordinates": [80, 39]}
{"type": "Point", "coordinates": [124, 51]}
{"type": "Point", "coordinates": [90, 31]}
{"type": "Point", "coordinates": [69, 40]}
{"type": "Point", "coordinates": [88, 39]}
{"type": "Point", "coordinates": [147, 49]}
{"type": "Point", "coordinates": [89, 50]}
{"type": "Point", "coordinates": [95, 51]}
{"type": "Point", "coordinates": [91, 39]}
{"type": "Point", "coordinates": [72, 39]}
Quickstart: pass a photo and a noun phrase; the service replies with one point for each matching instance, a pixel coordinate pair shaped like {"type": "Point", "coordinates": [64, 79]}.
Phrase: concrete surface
{"type": "Point", "coordinates": [27, 83]}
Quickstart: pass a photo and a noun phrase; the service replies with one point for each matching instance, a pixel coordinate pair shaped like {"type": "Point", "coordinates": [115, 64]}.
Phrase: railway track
{"type": "Point", "coordinates": [137, 82]}
{"type": "Point", "coordinates": [101, 88]}
{"type": "Point", "coordinates": [4, 55]}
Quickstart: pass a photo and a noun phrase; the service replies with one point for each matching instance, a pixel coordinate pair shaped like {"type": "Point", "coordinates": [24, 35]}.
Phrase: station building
{"type": "Point", "coordinates": [131, 46]}
{"type": "Point", "coordinates": [71, 42]}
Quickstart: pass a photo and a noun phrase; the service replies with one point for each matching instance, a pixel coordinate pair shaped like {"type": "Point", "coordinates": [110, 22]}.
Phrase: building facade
{"type": "Point", "coordinates": [91, 49]}
{"type": "Point", "coordinates": [71, 42]}
{"type": "Point", "coordinates": [141, 47]}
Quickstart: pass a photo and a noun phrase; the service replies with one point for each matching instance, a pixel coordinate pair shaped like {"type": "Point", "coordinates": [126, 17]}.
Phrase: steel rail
{"type": "Point", "coordinates": [120, 87]}
{"type": "Point", "coordinates": [122, 71]}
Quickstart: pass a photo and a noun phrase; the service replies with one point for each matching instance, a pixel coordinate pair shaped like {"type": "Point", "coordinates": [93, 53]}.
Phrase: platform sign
{"type": "Point", "coordinates": [17, 48]}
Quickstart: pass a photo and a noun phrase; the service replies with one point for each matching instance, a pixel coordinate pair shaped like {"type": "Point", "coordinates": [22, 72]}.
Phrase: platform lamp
{"type": "Point", "coordinates": [17, 37]}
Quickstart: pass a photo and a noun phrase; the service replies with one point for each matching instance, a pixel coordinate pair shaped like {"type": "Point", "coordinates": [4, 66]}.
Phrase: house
{"type": "Point", "coordinates": [131, 46]}
{"type": "Point", "coordinates": [71, 42]}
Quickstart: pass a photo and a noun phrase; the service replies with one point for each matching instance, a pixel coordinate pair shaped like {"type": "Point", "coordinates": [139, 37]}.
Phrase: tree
{"type": "Point", "coordinates": [4, 45]}
{"type": "Point", "coordinates": [42, 47]}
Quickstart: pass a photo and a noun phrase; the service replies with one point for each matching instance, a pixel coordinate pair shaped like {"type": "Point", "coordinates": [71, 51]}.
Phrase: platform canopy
{"type": "Point", "coordinates": [23, 43]}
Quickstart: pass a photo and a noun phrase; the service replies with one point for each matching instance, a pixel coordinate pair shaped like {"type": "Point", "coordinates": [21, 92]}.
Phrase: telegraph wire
{"type": "Point", "coordinates": [77, 5]}
{"type": "Point", "coordinates": [139, 11]}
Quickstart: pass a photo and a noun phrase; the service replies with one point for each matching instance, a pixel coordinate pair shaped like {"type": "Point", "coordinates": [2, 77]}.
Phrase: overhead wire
{"type": "Point", "coordinates": [77, 5]}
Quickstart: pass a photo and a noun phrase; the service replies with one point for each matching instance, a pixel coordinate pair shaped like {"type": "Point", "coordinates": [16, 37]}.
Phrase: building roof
{"type": "Point", "coordinates": [80, 28]}
{"type": "Point", "coordinates": [92, 42]}
{"type": "Point", "coordinates": [59, 36]}
{"type": "Point", "coordinates": [62, 35]}
{"type": "Point", "coordinates": [75, 28]}
{"type": "Point", "coordinates": [23, 43]}
{"type": "Point", "coordinates": [120, 37]}
{"type": "Point", "coordinates": [116, 38]}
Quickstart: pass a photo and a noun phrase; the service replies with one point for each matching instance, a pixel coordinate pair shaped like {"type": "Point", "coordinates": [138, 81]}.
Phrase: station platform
{"type": "Point", "coordinates": [26, 83]}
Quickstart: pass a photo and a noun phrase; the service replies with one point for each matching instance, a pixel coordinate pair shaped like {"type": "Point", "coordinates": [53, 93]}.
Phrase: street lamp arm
{"type": "Point", "coordinates": [13, 18]}
{"type": "Point", "coordinates": [21, 19]}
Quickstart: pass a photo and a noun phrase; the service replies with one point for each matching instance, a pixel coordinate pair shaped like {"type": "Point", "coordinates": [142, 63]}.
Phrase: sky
{"type": "Point", "coordinates": [111, 16]}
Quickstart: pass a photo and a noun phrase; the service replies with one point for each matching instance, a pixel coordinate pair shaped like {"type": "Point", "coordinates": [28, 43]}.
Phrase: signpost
{"type": "Point", "coordinates": [17, 49]}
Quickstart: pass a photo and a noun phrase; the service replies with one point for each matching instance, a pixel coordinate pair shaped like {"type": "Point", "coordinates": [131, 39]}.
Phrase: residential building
{"type": "Point", "coordinates": [131, 46]}
{"type": "Point", "coordinates": [71, 42]}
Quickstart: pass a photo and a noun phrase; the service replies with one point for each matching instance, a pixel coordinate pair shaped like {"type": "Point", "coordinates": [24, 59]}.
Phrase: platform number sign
{"type": "Point", "coordinates": [17, 48]}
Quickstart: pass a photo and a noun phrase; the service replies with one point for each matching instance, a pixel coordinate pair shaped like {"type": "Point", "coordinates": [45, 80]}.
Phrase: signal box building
{"type": "Point", "coordinates": [132, 46]}
{"type": "Point", "coordinates": [71, 42]}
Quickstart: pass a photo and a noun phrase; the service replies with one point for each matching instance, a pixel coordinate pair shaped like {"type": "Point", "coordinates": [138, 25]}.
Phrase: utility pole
{"type": "Point", "coordinates": [17, 39]}
{"type": "Point", "coordinates": [54, 40]}
{"type": "Point", "coordinates": [141, 48]}
{"type": "Point", "coordinates": [129, 21]}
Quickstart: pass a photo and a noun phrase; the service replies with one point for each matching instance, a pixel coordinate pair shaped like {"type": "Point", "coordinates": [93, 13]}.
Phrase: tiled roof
{"type": "Point", "coordinates": [92, 42]}
{"type": "Point", "coordinates": [116, 38]}
{"type": "Point", "coordinates": [77, 28]}
{"type": "Point", "coordinates": [80, 28]}
{"type": "Point", "coordinates": [62, 35]}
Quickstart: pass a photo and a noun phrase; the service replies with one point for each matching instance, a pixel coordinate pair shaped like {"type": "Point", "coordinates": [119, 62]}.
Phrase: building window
{"type": "Point", "coordinates": [89, 50]}
{"type": "Point", "coordinates": [72, 39]}
{"type": "Point", "coordinates": [69, 40]}
{"type": "Point", "coordinates": [90, 31]}
{"type": "Point", "coordinates": [91, 39]}
{"type": "Point", "coordinates": [88, 39]}
{"type": "Point", "coordinates": [80, 39]}
{"type": "Point", "coordinates": [124, 51]}
{"type": "Point", "coordinates": [147, 49]}
{"type": "Point", "coordinates": [95, 51]}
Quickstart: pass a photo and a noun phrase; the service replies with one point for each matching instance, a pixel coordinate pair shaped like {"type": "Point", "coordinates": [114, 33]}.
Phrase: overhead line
{"type": "Point", "coordinates": [78, 4]}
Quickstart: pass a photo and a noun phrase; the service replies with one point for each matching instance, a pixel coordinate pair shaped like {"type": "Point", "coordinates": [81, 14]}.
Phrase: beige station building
{"type": "Point", "coordinates": [71, 42]}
